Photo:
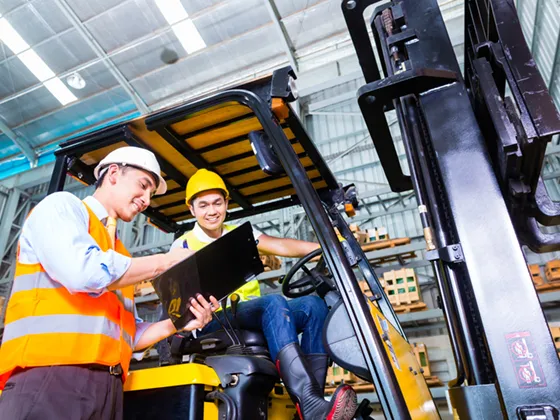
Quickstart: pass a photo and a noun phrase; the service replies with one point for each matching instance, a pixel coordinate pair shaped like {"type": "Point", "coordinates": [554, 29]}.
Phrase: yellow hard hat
{"type": "Point", "coordinates": [204, 180]}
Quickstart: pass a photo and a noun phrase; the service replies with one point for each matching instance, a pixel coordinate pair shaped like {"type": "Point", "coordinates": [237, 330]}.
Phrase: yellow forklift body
{"type": "Point", "coordinates": [407, 370]}
{"type": "Point", "coordinates": [161, 377]}
{"type": "Point", "coordinates": [280, 406]}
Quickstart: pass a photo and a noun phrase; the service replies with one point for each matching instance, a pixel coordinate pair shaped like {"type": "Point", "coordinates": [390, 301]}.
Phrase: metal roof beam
{"type": "Point", "coordinates": [100, 52]}
{"type": "Point", "coordinates": [8, 216]}
{"type": "Point", "coordinates": [20, 142]}
{"type": "Point", "coordinates": [284, 37]}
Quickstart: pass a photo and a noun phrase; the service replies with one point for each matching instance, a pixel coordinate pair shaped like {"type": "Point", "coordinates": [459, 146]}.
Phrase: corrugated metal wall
{"type": "Point", "coordinates": [540, 21]}
{"type": "Point", "coordinates": [338, 129]}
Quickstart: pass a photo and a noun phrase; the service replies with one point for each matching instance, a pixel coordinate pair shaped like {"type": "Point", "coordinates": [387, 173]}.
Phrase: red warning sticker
{"type": "Point", "coordinates": [525, 360]}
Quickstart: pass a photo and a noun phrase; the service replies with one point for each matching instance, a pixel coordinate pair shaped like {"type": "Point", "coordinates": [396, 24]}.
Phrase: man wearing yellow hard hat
{"type": "Point", "coordinates": [302, 367]}
{"type": "Point", "coordinates": [71, 324]}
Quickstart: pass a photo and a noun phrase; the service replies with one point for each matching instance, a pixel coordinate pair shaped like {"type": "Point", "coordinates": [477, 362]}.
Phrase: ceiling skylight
{"type": "Point", "coordinates": [183, 27]}
{"type": "Point", "coordinates": [35, 64]}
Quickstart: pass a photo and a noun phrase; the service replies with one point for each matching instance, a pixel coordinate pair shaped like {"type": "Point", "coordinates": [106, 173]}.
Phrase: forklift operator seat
{"type": "Point", "coordinates": [217, 343]}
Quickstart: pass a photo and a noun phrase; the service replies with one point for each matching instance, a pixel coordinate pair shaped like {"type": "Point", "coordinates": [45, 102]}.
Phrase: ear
{"type": "Point", "coordinates": [191, 208]}
{"type": "Point", "coordinates": [112, 173]}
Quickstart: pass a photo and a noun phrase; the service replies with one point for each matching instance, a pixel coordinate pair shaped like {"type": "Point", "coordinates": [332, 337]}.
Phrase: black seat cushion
{"type": "Point", "coordinates": [217, 342]}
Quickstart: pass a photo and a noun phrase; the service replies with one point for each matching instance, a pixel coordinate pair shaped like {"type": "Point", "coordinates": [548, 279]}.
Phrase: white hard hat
{"type": "Point", "coordinates": [136, 157]}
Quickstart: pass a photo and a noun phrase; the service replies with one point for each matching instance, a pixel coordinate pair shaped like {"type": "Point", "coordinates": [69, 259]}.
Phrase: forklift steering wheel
{"type": "Point", "coordinates": [307, 284]}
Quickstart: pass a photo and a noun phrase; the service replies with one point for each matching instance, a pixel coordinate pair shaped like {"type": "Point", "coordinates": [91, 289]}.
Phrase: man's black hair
{"type": "Point", "coordinates": [99, 181]}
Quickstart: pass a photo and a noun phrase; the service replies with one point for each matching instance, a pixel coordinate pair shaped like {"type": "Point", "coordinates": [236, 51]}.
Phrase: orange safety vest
{"type": "Point", "coordinates": [46, 325]}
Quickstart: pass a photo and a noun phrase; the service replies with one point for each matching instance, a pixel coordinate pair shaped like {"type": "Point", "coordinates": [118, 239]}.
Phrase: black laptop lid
{"type": "Point", "coordinates": [218, 269]}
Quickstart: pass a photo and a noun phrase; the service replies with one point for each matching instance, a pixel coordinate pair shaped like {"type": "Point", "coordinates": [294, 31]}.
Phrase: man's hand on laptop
{"type": "Point", "coordinates": [202, 310]}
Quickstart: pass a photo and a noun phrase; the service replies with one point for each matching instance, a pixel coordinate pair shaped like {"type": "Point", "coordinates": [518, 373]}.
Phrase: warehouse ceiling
{"type": "Point", "coordinates": [134, 56]}
{"type": "Point", "coordinates": [69, 66]}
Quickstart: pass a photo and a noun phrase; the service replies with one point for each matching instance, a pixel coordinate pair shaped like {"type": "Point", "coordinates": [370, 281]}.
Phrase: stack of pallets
{"type": "Point", "coordinates": [401, 286]}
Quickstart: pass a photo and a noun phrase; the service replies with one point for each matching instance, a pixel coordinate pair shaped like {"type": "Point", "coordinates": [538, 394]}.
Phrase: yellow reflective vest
{"type": "Point", "coordinates": [250, 291]}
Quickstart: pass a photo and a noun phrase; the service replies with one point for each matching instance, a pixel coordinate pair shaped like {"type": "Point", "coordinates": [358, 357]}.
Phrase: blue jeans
{"type": "Point", "coordinates": [281, 321]}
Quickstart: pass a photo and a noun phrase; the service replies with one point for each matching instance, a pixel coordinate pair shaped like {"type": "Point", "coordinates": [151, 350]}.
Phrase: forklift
{"type": "Point", "coordinates": [475, 146]}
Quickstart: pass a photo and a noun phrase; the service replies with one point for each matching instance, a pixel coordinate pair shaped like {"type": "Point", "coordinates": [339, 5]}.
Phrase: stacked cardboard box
{"type": "Point", "coordinates": [421, 353]}
{"type": "Point", "coordinates": [378, 234]}
{"type": "Point", "coordinates": [536, 274]}
{"type": "Point", "coordinates": [361, 236]}
{"type": "Point", "coordinates": [271, 262]}
{"type": "Point", "coordinates": [401, 286]}
{"type": "Point", "coordinates": [552, 271]}
{"type": "Point", "coordinates": [337, 375]}
{"type": "Point", "coordinates": [144, 288]}
{"type": "Point", "coordinates": [551, 280]}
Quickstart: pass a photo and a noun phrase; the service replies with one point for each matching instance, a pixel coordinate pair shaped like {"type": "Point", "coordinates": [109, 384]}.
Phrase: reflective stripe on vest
{"type": "Point", "coordinates": [40, 280]}
{"type": "Point", "coordinates": [82, 324]}
{"type": "Point", "coordinates": [249, 291]}
{"type": "Point", "coordinates": [47, 325]}
{"type": "Point", "coordinates": [127, 303]}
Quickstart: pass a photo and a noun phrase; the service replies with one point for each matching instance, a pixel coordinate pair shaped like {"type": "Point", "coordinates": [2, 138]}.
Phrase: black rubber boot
{"type": "Point", "coordinates": [306, 392]}
{"type": "Point", "coordinates": [318, 364]}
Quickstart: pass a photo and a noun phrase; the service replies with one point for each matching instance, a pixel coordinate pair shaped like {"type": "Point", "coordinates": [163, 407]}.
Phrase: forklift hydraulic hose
{"type": "Point", "coordinates": [231, 409]}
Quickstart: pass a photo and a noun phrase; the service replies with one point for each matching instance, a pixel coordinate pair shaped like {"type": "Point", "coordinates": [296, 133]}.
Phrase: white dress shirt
{"type": "Point", "coordinates": [56, 235]}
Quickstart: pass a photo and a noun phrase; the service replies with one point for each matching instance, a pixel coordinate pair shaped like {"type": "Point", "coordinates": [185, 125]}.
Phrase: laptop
{"type": "Point", "coordinates": [218, 270]}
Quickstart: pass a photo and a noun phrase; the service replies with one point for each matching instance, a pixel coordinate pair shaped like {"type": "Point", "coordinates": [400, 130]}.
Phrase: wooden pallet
{"type": "Point", "coordinates": [393, 258]}
{"type": "Point", "coordinates": [382, 244]}
{"type": "Point", "coordinates": [433, 381]}
{"type": "Point", "coordinates": [548, 287]}
{"type": "Point", "coordinates": [358, 387]}
{"type": "Point", "coordinates": [413, 307]}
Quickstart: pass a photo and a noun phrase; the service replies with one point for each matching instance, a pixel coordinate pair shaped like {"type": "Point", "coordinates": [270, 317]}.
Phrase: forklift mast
{"type": "Point", "coordinates": [475, 143]}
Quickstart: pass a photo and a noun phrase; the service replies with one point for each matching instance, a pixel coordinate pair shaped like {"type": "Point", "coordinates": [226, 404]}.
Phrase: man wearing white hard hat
{"type": "Point", "coordinates": [71, 325]}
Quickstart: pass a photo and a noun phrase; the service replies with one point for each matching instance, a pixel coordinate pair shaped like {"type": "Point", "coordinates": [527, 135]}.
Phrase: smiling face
{"type": "Point", "coordinates": [131, 190]}
{"type": "Point", "coordinates": [209, 208]}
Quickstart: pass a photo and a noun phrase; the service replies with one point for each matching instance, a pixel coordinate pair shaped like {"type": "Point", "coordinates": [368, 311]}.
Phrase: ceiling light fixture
{"type": "Point", "coordinates": [76, 81]}
{"type": "Point", "coordinates": [35, 64]}
{"type": "Point", "coordinates": [184, 28]}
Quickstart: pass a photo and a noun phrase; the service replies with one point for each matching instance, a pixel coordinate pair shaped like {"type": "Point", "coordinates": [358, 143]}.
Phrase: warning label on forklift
{"type": "Point", "coordinates": [525, 360]}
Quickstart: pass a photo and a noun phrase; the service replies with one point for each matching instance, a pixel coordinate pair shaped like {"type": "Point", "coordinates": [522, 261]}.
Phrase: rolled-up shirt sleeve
{"type": "Point", "coordinates": [56, 234]}
{"type": "Point", "coordinates": [141, 327]}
